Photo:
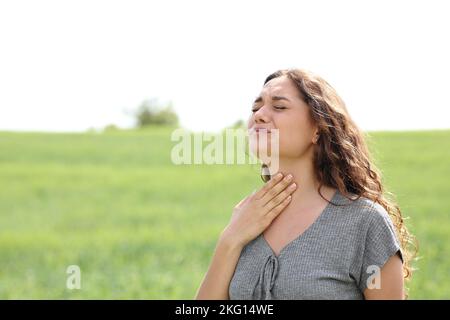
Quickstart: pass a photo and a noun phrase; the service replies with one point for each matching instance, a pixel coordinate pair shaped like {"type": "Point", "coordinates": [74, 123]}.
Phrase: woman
{"type": "Point", "coordinates": [320, 228]}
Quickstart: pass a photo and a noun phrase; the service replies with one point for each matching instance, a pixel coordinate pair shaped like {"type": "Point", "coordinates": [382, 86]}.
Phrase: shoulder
{"type": "Point", "coordinates": [372, 222]}
{"type": "Point", "coordinates": [361, 221]}
{"type": "Point", "coordinates": [361, 212]}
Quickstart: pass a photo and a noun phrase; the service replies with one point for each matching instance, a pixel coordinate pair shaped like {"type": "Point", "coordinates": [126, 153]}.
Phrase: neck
{"type": "Point", "coordinates": [302, 170]}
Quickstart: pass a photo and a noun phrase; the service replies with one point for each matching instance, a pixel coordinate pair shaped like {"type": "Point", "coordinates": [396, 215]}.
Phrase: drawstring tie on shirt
{"type": "Point", "coordinates": [267, 276]}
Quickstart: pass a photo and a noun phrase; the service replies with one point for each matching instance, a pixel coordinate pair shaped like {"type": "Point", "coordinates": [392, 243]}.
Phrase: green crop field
{"type": "Point", "coordinates": [140, 227]}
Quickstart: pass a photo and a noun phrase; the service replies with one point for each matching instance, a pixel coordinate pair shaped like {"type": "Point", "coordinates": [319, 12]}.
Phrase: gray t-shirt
{"type": "Point", "coordinates": [332, 259]}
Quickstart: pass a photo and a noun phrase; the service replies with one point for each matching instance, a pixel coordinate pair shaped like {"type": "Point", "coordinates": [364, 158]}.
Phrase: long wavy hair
{"type": "Point", "coordinates": [341, 156]}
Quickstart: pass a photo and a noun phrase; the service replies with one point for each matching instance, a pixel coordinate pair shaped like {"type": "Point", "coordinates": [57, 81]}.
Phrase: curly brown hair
{"type": "Point", "coordinates": [341, 156]}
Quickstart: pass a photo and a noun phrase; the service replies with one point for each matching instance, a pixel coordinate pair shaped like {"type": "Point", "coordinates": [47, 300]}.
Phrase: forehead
{"type": "Point", "coordinates": [280, 86]}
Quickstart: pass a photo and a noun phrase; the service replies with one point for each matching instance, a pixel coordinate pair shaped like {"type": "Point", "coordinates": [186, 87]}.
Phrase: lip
{"type": "Point", "coordinates": [261, 129]}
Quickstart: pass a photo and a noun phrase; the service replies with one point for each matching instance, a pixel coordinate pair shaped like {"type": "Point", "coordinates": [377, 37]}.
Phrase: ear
{"type": "Point", "coordinates": [316, 136]}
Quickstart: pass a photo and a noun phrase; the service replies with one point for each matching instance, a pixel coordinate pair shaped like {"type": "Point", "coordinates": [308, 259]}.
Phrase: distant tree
{"type": "Point", "coordinates": [239, 124]}
{"type": "Point", "coordinates": [111, 127]}
{"type": "Point", "coordinates": [151, 112]}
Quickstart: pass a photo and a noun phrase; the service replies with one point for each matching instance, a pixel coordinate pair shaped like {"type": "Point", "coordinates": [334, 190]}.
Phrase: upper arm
{"type": "Point", "coordinates": [391, 281]}
{"type": "Point", "coordinates": [381, 258]}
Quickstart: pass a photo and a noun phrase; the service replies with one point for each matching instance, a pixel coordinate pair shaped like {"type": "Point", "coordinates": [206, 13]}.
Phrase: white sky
{"type": "Point", "coordinates": [72, 65]}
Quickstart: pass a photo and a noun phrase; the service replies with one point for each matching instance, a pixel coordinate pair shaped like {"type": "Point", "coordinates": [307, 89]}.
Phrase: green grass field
{"type": "Point", "coordinates": [140, 227]}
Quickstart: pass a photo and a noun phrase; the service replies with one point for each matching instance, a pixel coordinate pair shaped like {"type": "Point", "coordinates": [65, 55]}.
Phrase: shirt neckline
{"type": "Point", "coordinates": [301, 235]}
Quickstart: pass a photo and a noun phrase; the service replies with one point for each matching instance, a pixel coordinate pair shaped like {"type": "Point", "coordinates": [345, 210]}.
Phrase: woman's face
{"type": "Point", "coordinates": [279, 106]}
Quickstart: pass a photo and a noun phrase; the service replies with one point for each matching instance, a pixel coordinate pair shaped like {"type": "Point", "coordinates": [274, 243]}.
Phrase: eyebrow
{"type": "Point", "coordinates": [274, 98]}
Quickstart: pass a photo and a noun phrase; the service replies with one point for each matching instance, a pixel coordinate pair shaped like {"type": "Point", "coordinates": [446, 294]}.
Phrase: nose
{"type": "Point", "coordinates": [261, 115]}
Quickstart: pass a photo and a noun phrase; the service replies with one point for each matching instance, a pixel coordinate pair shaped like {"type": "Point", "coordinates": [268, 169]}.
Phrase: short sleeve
{"type": "Point", "coordinates": [381, 243]}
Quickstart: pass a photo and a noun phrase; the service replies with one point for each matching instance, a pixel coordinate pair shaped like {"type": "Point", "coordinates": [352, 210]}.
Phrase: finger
{"type": "Point", "coordinates": [272, 214]}
{"type": "Point", "coordinates": [276, 189]}
{"type": "Point", "coordinates": [269, 185]}
{"type": "Point", "coordinates": [280, 197]}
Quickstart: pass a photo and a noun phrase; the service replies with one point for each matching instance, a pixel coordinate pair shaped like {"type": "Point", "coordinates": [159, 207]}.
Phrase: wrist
{"type": "Point", "coordinates": [229, 240]}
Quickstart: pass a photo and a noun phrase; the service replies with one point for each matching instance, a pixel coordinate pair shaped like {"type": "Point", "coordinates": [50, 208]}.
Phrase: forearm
{"type": "Point", "coordinates": [216, 282]}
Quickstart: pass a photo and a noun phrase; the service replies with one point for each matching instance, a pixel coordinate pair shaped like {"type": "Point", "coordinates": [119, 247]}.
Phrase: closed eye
{"type": "Point", "coordinates": [275, 107]}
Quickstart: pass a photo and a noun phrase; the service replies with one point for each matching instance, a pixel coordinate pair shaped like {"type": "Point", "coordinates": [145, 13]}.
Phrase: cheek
{"type": "Point", "coordinates": [296, 136]}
